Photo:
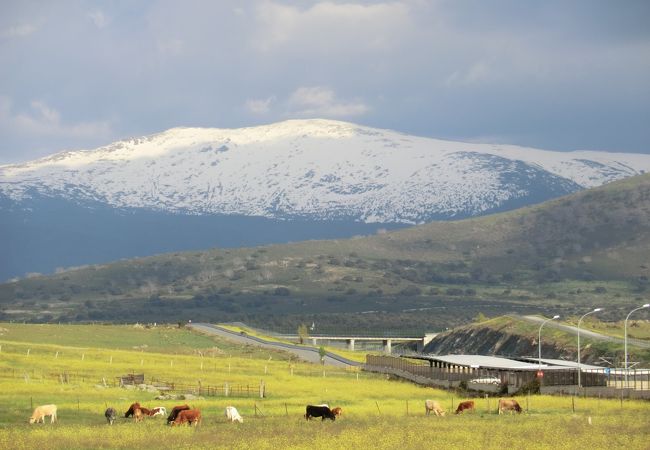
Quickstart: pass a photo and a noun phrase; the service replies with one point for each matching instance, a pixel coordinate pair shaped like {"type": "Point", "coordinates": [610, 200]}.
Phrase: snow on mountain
{"type": "Point", "coordinates": [319, 169]}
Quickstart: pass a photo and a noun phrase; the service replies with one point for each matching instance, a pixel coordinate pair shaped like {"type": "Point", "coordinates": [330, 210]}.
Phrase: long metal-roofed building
{"type": "Point", "coordinates": [488, 372]}
{"type": "Point", "coordinates": [499, 362]}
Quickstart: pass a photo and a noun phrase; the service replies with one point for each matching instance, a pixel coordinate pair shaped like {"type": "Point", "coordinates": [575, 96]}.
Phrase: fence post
{"type": "Point", "coordinates": [407, 407]}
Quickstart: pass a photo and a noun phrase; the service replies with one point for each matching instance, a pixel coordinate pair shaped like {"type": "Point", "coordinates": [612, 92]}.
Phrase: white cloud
{"type": "Point", "coordinates": [44, 121]}
{"type": "Point", "coordinates": [341, 26]}
{"type": "Point", "coordinates": [260, 106]}
{"type": "Point", "coordinates": [322, 102]}
{"type": "Point", "coordinates": [98, 17]}
{"type": "Point", "coordinates": [18, 31]}
{"type": "Point", "coordinates": [308, 101]}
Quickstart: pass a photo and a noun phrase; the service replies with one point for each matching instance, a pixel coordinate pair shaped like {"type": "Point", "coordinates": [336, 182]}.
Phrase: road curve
{"type": "Point", "coordinates": [591, 334]}
{"type": "Point", "coordinates": [308, 354]}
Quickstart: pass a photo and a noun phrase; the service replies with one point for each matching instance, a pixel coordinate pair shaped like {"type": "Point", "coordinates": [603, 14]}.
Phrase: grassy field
{"type": "Point", "coordinates": [378, 413]}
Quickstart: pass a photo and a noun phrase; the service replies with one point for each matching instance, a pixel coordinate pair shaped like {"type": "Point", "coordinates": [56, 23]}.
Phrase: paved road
{"type": "Point", "coordinates": [590, 334]}
{"type": "Point", "coordinates": [309, 354]}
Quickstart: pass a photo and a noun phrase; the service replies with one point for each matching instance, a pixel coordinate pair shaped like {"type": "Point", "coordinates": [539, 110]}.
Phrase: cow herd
{"type": "Point", "coordinates": [505, 405]}
{"type": "Point", "coordinates": [179, 415]}
{"type": "Point", "coordinates": [183, 414]}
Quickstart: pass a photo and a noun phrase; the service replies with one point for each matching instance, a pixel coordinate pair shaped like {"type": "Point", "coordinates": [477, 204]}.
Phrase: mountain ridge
{"type": "Point", "coordinates": [318, 169]}
{"type": "Point", "coordinates": [565, 255]}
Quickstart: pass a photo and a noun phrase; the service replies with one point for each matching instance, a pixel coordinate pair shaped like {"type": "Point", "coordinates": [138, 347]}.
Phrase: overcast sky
{"type": "Point", "coordinates": [563, 75]}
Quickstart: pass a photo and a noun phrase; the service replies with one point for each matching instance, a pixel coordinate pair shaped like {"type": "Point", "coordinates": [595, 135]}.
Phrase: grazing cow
{"type": "Point", "coordinates": [319, 411]}
{"type": "Point", "coordinates": [111, 415]}
{"type": "Point", "coordinates": [175, 410]}
{"type": "Point", "coordinates": [338, 411]}
{"type": "Point", "coordinates": [233, 415]}
{"type": "Point", "coordinates": [465, 406]}
{"type": "Point", "coordinates": [41, 411]}
{"type": "Point", "coordinates": [432, 405]}
{"type": "Point", "coordinates": [132, 409]}
{"type": "Point", "coordinates": [159, 411]}
{"type": "Point", "coordinates": [150, 412]}
{"type": "Point", "coordinates": [509, 405]}
{"type": "Point", "coordinates": [138, 415]}
{"type": "Point", "coordinates": [189, 416]}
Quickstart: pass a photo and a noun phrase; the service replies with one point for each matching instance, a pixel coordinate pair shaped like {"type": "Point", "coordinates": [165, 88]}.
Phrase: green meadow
{"type": "Point", "coordinates": [75, 367]}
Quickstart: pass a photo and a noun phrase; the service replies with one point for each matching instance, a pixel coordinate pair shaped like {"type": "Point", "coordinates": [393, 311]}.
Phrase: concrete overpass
{"type": "Point", "coordinates": [387, 342]}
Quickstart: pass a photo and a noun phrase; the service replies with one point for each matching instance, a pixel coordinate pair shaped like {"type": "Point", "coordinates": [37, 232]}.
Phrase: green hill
{"type": "Point", "coordinates": [567, 254]}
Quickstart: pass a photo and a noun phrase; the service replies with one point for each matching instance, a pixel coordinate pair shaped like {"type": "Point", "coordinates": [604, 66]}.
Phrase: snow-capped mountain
{"type": "Point", "coordinates": [314, 169]}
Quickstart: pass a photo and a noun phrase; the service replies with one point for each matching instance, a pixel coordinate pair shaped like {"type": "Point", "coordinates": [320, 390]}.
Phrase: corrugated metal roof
{"type": "Point", "coordinates": [497, 362]}
{"type": "Point", "coordinates": [564, 363]}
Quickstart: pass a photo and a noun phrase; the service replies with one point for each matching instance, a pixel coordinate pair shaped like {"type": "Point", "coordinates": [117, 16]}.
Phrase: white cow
{"type": "Point", "coordinates": [432, 405]}
{"type": "Point", "coordinates": [233, 415]}
{"type": "Point", "coordinates": [159, 411]}
{"type": "Point", "coordinates": [41, 411]}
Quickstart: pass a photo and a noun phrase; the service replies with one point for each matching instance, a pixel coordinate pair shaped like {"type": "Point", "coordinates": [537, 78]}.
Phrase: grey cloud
{"type": "Point", "coordinates": [560, 75]}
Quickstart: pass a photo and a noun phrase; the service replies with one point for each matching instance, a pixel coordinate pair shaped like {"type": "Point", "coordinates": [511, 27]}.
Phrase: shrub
{"type": "Point", "coordinates": [411, 290]}
{"type": "Point", "coordinates": [531, 387]}
{"type": "Point", "coordinates": [282, 291]}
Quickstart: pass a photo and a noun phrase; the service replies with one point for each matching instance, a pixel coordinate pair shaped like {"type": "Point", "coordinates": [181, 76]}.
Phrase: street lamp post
{"type": "Point", "coordinates": [579, 370]}
{"type": "Point", "coordinates": [539, 340]}
{"type": "Point", "coordinates": [647, 305]}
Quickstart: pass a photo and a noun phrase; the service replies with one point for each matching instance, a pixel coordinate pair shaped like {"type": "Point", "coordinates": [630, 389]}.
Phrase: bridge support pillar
{"type": "Point", "coordinates": [351, 344]}
{"type": "Point", "coordinates": [314, 342]}
{"type": "Point", "coordinates": [388, 347]}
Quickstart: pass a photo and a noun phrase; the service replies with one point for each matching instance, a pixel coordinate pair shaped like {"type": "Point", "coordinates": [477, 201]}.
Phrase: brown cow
{"type": "Point", "coordinates": [132, 409]}
{"type": "Point", "coordinates": [509, 405]}
{"type": "Point", "coordinates": [432, 405]}
{"type": "Point", "coordinates": [147, 411]}
{"type": "Point", "coordinates": [189, 416]}
{"type": "Point", "coordinates": [465, 406]}
{"type": "Point", "coordinates": [175, 410]}
{"type": "Point", "coordinates": [138, 416]}
{"type": "Point", "coordinates": [338, 411]}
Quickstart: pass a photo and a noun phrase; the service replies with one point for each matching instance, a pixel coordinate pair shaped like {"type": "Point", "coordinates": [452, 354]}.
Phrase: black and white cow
{"type": "Point", "coordinates": [319, 411]}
